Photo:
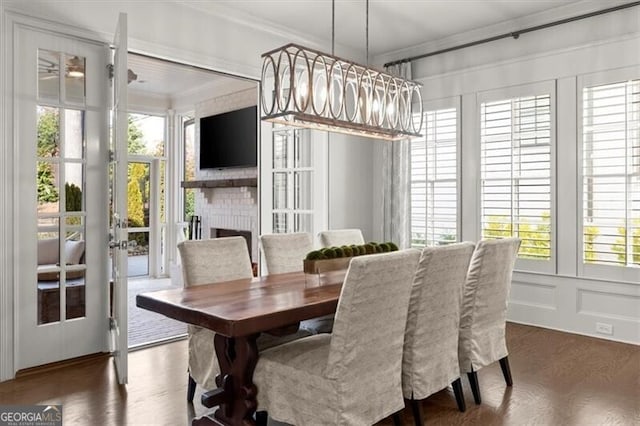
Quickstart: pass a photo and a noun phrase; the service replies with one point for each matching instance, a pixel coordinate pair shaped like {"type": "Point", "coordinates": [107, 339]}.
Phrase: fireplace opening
{"type": "Point", "coordinates": [221, 232]}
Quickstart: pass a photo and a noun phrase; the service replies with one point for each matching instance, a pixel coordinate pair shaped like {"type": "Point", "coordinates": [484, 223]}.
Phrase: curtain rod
{"type": "Point", "coordinates": [515, 34]}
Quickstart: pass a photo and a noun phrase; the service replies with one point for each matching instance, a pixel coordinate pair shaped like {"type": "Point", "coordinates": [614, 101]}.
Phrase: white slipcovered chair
{"type": "Point", "coordinates": [285, 253]}
{"type": "Point", "coordinates": [206, 262]}
{"type": "Point", "coordinates": [352, 376]}
{"type": "Point", "coordinates": [430, 359]}
{"type": "Point", "coordinates": [341, 237]}
{"type": "Point", "coordinates": [484, 309]}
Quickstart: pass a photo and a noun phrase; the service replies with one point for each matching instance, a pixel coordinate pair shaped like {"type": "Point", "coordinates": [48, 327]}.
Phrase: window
{"type": "Point", "coordinates": [611, 174]}
{"type": "Point", "coordinates": [434, 182]}
{"type": "Point", "coordinates": [516, 183]}
{"type": "Point", "coordinates": [189, 167]}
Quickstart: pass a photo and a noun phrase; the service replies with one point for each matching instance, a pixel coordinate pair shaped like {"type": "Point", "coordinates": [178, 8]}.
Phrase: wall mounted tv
{"type": "Point", "coordinates": [229, 139]}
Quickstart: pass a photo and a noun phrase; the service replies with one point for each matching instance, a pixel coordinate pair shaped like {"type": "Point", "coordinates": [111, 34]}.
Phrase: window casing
{"type": "Point", "coordinates": [609, 184]}
{"type": "Point", "coordinates": [435, 177]}
{"type": "Point", "coordinates": [517, 149]}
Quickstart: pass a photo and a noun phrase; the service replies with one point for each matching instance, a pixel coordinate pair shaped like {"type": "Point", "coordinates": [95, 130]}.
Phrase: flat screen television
{"type": "Point", "coordinates": [229, 139]}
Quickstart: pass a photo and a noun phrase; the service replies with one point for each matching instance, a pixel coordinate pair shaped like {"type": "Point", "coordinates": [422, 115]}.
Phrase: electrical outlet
{"type": "Point", "coordinates": [604, 328]}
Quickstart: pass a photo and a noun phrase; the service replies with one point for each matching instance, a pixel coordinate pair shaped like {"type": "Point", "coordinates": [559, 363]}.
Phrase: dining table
{"type": "Point", "coordinates": [238, 311]}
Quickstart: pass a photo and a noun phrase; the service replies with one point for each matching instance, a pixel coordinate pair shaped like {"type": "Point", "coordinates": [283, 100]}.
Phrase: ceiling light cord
{"type": "Point", "coordinates": [366, 32]}
{"type": "Point", "coordinates": [333, 27]}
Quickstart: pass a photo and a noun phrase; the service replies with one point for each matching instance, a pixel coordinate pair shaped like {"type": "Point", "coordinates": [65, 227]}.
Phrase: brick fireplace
{"type": "Point", "coordinates": [234, 209]}
{"type": "Point", "coordinates": [230, 211]}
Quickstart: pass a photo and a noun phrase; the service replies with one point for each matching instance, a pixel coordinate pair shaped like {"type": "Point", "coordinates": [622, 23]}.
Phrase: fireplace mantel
{"type": "Point", "coordinates": [220, 183]}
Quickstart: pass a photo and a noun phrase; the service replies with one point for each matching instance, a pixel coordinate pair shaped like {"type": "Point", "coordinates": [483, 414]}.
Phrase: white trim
{"type": "Point", "coordinates": [571, 331]}
{"type": "Point", "coordinates": [235, 16]}
{"type": "Point", "coordinates": [7, 348]}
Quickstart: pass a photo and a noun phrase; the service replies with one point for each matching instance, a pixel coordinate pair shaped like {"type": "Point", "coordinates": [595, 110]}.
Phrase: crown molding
{"type": "Point", "coordinates": [540, 18]}
{"type": "Point", "coordinates": [255, 23]}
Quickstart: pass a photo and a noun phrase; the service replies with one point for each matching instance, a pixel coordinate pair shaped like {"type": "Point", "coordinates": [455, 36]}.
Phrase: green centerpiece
{"type": "Point", "coordinates": [337, 258]}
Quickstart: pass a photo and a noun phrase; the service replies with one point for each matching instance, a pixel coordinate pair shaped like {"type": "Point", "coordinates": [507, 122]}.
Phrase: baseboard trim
{"type": "Point", "coordinates": [61, 364]}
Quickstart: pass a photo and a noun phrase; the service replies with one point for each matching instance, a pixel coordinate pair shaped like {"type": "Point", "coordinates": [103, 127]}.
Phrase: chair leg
{"type": "Point", "coordinates": [506, 371]}
{"type": "Point", "coordinates": [475, 387]}
{"type": "Point", "coordinates": [191, 389]}
{"type": "Point", "coordinates": [397, 420]}
{"type": "Point", "coordinates": [417, 412]}
{"type": "Point", "coordinates": [457, 391]}
{"type": "Point", "coordinates": [262, 418]}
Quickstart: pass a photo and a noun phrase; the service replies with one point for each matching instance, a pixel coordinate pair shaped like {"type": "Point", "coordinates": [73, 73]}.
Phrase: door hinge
{"type": "Point", "coordinates": [112, 323]}
{"type": "Point", "coordinates": [110, 71]}
{"type": "Point", "coordinates": [112, 156]}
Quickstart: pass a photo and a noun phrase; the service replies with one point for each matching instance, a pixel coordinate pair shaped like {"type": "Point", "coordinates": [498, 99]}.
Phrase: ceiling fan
{"type": "Point", "coordinates": [49, 69]}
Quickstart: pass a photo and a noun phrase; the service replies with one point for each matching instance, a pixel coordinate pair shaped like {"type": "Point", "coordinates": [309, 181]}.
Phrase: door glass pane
{"type": "Point", "coordinates": [74, 78]}
{"type": "Point", "coordinates": [48, 273]}
{"type": "Point", "coordinates": [301, 149]}
{"type": "Point", "coordinates": [280, 190]}
{"type": "Point", "coordinates": [75, 292]}
{"type": "Point", "coordinates": [303, 222]}
{"type": "Point", "coordinates": [74, 224]}
{"type": "Point", "coordinates": [189, 168]}
{"type": "Point", "coordinates": [75, 271]}
{"type": "Point", "coordinates": [139, 189]}
{"type": "Point", "coordinates": [48, 75]}
{"type": "Point", "coordinates": [48, 223]}
{"type": "Point", "coordinates": [280, 149]}
{"type": "Point", "coordinates": [47, 186]}
{"type": "Point", "coordinates": [163, 190]}
{"type": "Point", "coordinates": [138, 254]}
{"type": "Point", "coordinates": [74, 182]}
{"type": "Point", "coordinates": [146, 134]}
{"type": "Point", "coordinates": [302, 190]}
{"type": "Point", "coordinates": [279, 223]}
{"type": "Point", "coordinates": [48, 132]}
{"type": "Point", "coordinates": [73, 134]}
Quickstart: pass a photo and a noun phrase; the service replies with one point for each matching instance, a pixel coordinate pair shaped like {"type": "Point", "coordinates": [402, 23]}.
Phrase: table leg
{"type": "Point", "coordinates": [236, 393]}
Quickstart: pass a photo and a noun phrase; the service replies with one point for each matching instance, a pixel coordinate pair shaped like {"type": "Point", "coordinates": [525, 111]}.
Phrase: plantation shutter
{"type": "Point", "coordinates": [611, 174]}
{"type": "Point", "coordinates": [434, 185]}
{"type": "Point", "coordinates": [515, 169]}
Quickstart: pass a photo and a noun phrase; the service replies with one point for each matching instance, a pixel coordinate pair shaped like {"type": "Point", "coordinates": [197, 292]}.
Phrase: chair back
{"type": "Point", "coordinates": [341, 237]}
{"type": "Point", "coordinates": [430, 357]}
{"type": "Point", "coordinates": [285, 252]}
{"type": "Point", "coordinates": [368, 331]}
{"type": "Point", "coordinates": [484, 303]}
{"type": "Point", "coordinates": [215, 260]}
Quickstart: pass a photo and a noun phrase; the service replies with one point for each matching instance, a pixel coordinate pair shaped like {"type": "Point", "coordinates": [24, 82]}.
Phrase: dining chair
{"type": "Point", "coordinates": [430, 357]}
{"type": "Point", "coordinates": [207, 262]}
{"type": "Point", "coordinates": [484, 310]}
{"type": "Point", "coordinates": [285, 253]}
{"type": "Point", "coordinates": [352, 376]}
{"type": "Point", "coordinates": [340, 237]}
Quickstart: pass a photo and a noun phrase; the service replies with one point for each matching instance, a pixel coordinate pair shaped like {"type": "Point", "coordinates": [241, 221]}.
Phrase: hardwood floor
{"type": "Point", "coordinates": [559, 379]}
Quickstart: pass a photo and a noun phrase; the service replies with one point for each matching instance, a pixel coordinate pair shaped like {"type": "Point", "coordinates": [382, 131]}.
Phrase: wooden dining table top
{"type": "Point", "coordinates": [248, 306]}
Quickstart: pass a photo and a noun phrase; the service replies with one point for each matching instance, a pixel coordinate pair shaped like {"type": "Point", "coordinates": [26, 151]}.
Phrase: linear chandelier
{"type": "Point", "coordinates": [306, 88]}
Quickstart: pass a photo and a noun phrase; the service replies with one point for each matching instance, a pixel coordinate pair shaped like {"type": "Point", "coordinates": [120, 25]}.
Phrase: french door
{"type": "Point", "coordinates": [293, 184]}
{"type": "Point", "coordinates": [61, 197]}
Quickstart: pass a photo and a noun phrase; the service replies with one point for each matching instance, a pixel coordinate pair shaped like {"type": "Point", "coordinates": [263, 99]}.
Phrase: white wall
{"type": "Point", "coordinates": [350, 176]}
{"type": "Point", "coordinates": [565, 300]}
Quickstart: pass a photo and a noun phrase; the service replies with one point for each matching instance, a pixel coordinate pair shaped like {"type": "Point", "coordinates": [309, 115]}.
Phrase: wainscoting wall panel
{"type": "Point", "coordinates": [604, 309]}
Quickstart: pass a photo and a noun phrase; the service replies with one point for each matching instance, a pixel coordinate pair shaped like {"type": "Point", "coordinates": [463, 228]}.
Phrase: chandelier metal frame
{"type": "Point", "coordinates": [307, 88]}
